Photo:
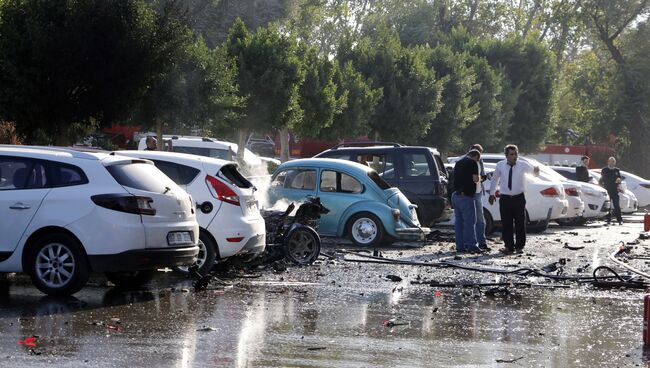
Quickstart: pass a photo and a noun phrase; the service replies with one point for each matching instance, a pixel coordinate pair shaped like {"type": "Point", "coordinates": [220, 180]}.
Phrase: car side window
{"type": "Point", "coordinates": [296, 179]}
{"type": "Point", "coordinates": [180, 174]}
{"type": "Point", "coordinates": [17, 173]}
{"type": "Point", "coordinates": [380, 162]}
{"type": "Point", "coordinates": [67, 175]}
{"type": "Point", "coordinates": [416, 164]}
{"type": "Point", "coordinates": [334, 181]}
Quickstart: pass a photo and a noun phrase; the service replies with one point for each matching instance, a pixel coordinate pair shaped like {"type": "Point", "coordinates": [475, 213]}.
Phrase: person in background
{"type": "Point", "coordinates": [151, 144]}
{"type": "Point", "coordinates": [510, 177]}
{"type": "Point", "coordinates": [610, 179]}
{"type": "Point", "coordinates": [466, 178]}
{"type": "Point", "coordinates": [582, 171]}
{"type": "Point", "coordinates": [478, 202]}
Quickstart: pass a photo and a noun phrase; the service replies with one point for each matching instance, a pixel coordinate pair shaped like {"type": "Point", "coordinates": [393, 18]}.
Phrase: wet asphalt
{"type": "Point", "coordinates": [343, 313]}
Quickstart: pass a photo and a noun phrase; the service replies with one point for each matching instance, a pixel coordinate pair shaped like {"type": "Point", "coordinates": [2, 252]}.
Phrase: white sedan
{"type": "Point", "coordinates": [545, 201]}
{"type": "Point", "coordinates": [627, 199]}
{"type": "Point", "coordinates": [595, 197]}
{"type": "Point", "coordinates": [639, 186]}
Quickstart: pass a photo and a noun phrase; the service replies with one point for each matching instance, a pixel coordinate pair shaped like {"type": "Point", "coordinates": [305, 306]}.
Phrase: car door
{"type": "Point", "coordinates": [337, 191]}
{"type": "Point", "coordinates": [416, 175]}
{"type": "Point", "coordinates": [23, 186]}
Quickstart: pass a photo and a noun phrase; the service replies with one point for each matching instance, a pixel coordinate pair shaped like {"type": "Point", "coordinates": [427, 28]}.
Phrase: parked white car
{"type": "Point", "coordinates": [595, 197]}
{"type": "Point", "coordinates": [227, 208]}
{"type": "Point", "coordinates": [67, 213]}
{"type": "Point", "coordinates": [209, 147]}
{"type": "Point", "coordinates": [627, 199]}
{"type": "Point", "coordinates": [545, 201]}
{"type": "Point", "coordinates": [639, 186]}
{"type": "Point", "coordinates": [572, 190]}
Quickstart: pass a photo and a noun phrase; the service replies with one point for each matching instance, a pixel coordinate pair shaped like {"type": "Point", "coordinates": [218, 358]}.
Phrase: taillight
{"type": "Point", "coordinates": [221, 191]}
{"type": "Point", "coordinates": [572, 192]}
{"type": "Point", "coordinates": [645, 185]}
{"type": "Point", "coordinates": [550, 192]}
{"type": "Point", "coordinates": [125, 203]}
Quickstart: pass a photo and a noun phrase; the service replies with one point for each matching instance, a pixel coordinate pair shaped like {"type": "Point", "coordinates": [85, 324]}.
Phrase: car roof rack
{"type": "Point", "coordinates": [367, 144]}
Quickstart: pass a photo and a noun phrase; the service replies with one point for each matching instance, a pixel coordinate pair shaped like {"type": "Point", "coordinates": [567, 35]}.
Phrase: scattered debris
{"type": "Point", "coordinates": [29, 341]}
{"type": "Point", "coordinates": [391, 323]}
{"type": "Point", "coordinates": [509, 360]}
{"type": "Point", "coordinates": [317, 348]}
{"type": "Point", "coordinates": [394, 278]}
{"type": "Point", "coordinates": [571, 247]}
{"type": "Point", "coordinates": [207, 329]}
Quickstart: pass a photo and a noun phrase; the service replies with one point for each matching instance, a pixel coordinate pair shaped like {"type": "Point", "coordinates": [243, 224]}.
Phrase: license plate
{"type": "Point", "coordinates": [180, 238]}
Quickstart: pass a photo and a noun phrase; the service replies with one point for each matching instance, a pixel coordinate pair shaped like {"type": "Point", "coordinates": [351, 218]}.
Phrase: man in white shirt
{"type": "Point", "coordinates": [510, 177]}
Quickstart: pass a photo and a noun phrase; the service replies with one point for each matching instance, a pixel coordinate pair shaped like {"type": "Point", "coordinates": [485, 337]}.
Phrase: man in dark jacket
{"type": "Point", "coordinates": [466, 177]}
{"type": "Point", "coordinates": [582, 171]}
{"type": "Point", "coordinates": [610, 179]}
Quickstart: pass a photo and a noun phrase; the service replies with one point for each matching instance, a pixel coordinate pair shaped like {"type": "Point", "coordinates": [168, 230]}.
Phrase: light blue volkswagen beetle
{"type": "Point", "coordinates": [362, 205]}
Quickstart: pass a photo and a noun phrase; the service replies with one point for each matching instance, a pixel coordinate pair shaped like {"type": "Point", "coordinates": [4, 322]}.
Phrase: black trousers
{"type": "Point", "coordinates": [513, 209]}
{"type": "Point", "coordinates": [616, 206]}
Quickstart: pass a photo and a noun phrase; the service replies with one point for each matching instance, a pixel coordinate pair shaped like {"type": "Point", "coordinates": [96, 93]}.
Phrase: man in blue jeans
{"type": "Point", "coordinates": [478, 202]}
{"type": "Point", "coordinates": [466, 177]}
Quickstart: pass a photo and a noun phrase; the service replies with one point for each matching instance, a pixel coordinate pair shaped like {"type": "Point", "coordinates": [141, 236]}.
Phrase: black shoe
{"type": "Point", "coordinates": [484, 247]}
{"type": "Point", "coordinates": [519, 251]}
{"type": "Point", "coordinates": [620, 223]}
{"type": "Point", "coordinates": [506, 251]}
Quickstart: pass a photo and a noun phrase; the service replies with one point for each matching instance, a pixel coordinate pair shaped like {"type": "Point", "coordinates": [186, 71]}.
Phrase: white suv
{"type": "Point", "coordinates": [67, 213]}
{"type": "Point", "coordinates": [227, 209]}
{"type": "Point", "coordinates": [210, 147]}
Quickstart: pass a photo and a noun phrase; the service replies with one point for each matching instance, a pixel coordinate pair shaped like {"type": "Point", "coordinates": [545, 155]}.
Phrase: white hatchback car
{"type": "Point", "coordinates": [67, 213]}
{"type": "Point", "coordinates": [228, 211]}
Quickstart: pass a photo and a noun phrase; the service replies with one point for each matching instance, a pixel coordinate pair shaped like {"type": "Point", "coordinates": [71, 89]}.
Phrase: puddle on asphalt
{"type": "Point", "coordinates": [304, 324]}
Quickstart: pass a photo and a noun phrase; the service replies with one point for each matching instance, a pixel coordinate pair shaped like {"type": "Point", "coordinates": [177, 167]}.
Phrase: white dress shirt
{"type": "Point", "coordinates": [519, 171]}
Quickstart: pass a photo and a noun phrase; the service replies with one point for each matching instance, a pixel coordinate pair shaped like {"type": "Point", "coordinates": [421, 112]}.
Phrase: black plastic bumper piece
{"type": "Point", "coordinates": [144, 259]}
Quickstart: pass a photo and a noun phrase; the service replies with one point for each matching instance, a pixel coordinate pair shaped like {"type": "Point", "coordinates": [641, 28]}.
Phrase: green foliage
{"type": "Point", "coordinates": [269, 76]}
{"type": "Point", "coordinates": [69, 66]}
{"type": "Point", "coordinates": [318, 94]}
{"type": "Point", "coordinates": [411, 92]}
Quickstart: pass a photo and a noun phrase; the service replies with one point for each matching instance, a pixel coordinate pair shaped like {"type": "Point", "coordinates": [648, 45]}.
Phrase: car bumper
{"type": "Point", "coordinates": [253, 233]}
{"type": "Point", "coordinates": [144, 259]}
{"type": "Point", "coordinates": [412, 233]}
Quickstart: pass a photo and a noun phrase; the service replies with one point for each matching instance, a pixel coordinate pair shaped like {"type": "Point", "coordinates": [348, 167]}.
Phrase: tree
{"type": "Point", "coordinates": [608, 21]}
{"type": "Point", "coordinates": [269, 74]}
{"type": "Point", "coordinates": [410, 91]}
{"type": "Point", "coordinates": [69, 66]}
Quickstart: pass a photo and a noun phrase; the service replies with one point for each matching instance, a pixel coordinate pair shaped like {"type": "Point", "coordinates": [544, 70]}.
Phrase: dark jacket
{"type": "Point", "coordinates": [582, 174]}
{"type": "Point", "coordinates": [608, 178]}
{"type": "Point", "coordinates": [463, 180]}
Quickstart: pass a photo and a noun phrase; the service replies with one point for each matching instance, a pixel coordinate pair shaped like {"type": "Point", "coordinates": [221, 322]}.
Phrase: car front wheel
{"type": "Point", "coordinates": [58, 265]}
{"type": "Point", "coordinates": [365, 229]}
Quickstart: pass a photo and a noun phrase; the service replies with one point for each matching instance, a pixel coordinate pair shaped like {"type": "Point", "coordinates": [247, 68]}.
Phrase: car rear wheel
{"type": "Point", "coordinates": [130, 279]}
{"type": "Point", "coordinates": [58, 265]}
{"type": "Point", "coordinates": [302, 246]}
{"type": "Point", "coordinates": [206, 257]}
{"type": "Point", "coordinates": [365, 229]}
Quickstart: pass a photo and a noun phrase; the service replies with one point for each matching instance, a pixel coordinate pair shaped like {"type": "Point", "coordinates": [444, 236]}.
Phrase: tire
{"type": "Point", "coordinates": [365, 229]}
{"type": "Point", "coordinates": [302, 246]}
{"type": "Point", "coordinates": [535, 227]}
{"type": "Point", "coordinates": [58, 265]}
{"type": "Point", "coordinates": [206, 257]}
{"type": "Point", "coordinates": [489, 222]}
{"type": "Point", "coordinates": [130, 279]}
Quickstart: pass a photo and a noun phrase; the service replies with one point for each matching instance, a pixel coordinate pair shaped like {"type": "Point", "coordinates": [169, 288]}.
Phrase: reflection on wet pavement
{"type": "Point", "coordinates": [321, 325]}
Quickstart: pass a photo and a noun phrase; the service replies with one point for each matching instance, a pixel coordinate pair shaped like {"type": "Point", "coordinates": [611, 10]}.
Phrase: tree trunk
{"type": "Point", "coordinates": [242, 134]}
{"type": "Point", "coordinates": [284, 144]}
{"type": "Point", "coordinates": [160, 143]}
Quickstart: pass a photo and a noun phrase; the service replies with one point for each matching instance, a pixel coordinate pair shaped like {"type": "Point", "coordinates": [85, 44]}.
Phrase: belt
{"type": "Point", "coordinates": [512, 196]}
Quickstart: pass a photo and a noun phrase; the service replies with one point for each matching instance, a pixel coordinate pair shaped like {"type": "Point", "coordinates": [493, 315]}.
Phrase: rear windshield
{"type": "Point", "coordinates": [140, 175]}
{"type": "Point", "coordinates": [230, 173]}
{"type": "Point", "coordinates": [378, 180]}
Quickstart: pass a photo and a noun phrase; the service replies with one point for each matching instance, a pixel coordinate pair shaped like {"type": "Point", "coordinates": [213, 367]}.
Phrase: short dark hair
{"type": "Point", "coordinates": [584, 157]}
{"type": "Point", "coordinates": [474, 153]}
{"type": "Point", "coordinates": [510, 147]}
{"type": "Point", "coordinates": [477, 147]}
